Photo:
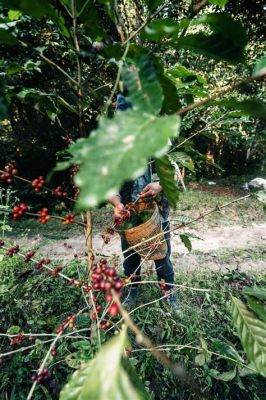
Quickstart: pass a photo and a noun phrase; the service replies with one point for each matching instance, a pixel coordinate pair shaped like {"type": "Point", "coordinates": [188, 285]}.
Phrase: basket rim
{"type": "Point", "coordinates": [141, 225]}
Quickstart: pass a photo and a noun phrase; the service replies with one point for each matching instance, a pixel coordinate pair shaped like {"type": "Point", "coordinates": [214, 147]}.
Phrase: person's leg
{"type": "Point", "coordinates": [131, 262]}
{"type": "Point", "coordinates": [131, 267]}
{"type": "Point", "coordinates": [164, 267]}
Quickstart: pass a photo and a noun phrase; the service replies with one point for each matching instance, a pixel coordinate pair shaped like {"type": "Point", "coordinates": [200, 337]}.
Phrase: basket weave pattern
{"type": "Point", "coordinates": [153, 249]}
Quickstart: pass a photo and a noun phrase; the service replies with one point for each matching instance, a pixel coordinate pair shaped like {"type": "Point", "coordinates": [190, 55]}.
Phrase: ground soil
{"type": "Point", "coordinates": [206, 252]}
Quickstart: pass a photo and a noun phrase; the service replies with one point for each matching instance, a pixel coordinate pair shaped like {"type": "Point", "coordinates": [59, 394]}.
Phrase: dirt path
{"type": "Point", "coordinates": [233, 237]}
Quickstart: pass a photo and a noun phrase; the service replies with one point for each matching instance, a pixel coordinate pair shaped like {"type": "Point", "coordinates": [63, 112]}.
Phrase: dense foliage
{"type": "Point", "coordinates": [194, 76]}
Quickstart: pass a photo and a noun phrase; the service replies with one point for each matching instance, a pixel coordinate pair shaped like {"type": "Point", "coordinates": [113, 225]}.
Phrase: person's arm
{"type": "Point", "coordinates": [152, 189]}
{"type": "Point", "coordinates": [115, 200]}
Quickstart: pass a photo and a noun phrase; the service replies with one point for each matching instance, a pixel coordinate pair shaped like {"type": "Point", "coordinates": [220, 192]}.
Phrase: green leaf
{"type": "Point", "coordinates": [226, 376]}
{"type": "Point", "coordinates": [181, 76]}
{"type": "Point", "coordinates": [145, 92]}
{"type": "Point", "coordinates": [13, 330]}
{"type": "Point", "coordinates": [200, 359]}
{"type": "Point", "coordinates": [250, 107]}
{"type": "Point", "coordinates": [185, 239]}
{"type": "Point", "coordinates": [250, 369]}
{"type": "Point", "coordinates": [260, 67]}
{"type": "Point", "coordinates": [166, 173]}
{"type": "Point", "coordinates": [227, 42]}
{"type": "Point", "coordinates": [182, 159]}
{"type": "Point", "coordinates": [220, 3]}
{"type": "Point", "coordinates": [171, 101]}
{"type": "Point", "coordinates": [255, 291]}
{"type": "Point", "coordinates": [13, 15]}
{"type": "Point", "coordinates": [73, 361]}
{"type": "Point", "coordinates": [90, 21]}
{"type": "Point", "coordinates": [165, 28]}
{"type": "Point", "coordinates": [118, 151]}
{"type": "Point", "coordinates": [7, 38]}
{"type": "Point", "coordinates": [14, 68]}
{"type": "Point", "coordinates": [215, 46]}
{"type": "Point", "coordinates": [252, 333]}
{"type": "Point", "coordinates": [226, 349]}
{"type": "Point", "coordinates": [225, 25]}
{"type": "Point", "coordinates": [104, 377]}
{"type": "Point", "coordinates": [258, 307]}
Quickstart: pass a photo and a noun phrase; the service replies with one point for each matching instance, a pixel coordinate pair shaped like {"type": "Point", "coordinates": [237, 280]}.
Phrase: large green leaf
{"type": "Point", "coordinates": [258, 307]}
{"type": "Point", "coordinates": [250, 107]}
{"type": "Point", "coordinates": [104, 378]}
{"type": "Point", "coordinates": [7, 38]}
{"type": "Point", "coordinates": [226, 349]}
{"type": "Point", "coordinates": [225, 25]}
{"type": "Point", "coordinates": [256, 291]}
{"type": "Point", "coordinates": [215, 46]}
{"type": "Point", "coordinates": [171, 102]}
{"type": "Point", "coordinates": [227, 41]}
{"type": "Point", "coordinates": [145, 92]}
{"type": "Point", "coordinates": [166, 173]}
{"type": "Point", "coordinates": [252, 333]}
{"type": "Point", "coordinates": [118, 150]}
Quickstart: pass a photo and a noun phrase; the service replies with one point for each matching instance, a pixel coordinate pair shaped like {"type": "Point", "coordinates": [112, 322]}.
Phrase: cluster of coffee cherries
{"type": "Point", "coordinates": [67, 323]}
{"type": "Point", "coordinates": [43, 216]}
{"type": "Point", "coordinates": [68, 219]}
{"type": "Point", "coordinates": [42, 377]}
{"type": "Point", "coordinates": [38, 183]}
{"type": "Point", "coordinates": [19, 210]}
{"type": "Point", "coordinates": [162, 285]}
{"type": "Point", "coordinates": [12, 250]}
{"type": "Point", "coordinates": [41, 263]}
{"type": "Point", "coordinates": [28, 256]}
{"type": "Point", "coordinates": [19, 338]}
{"type": "Point", "coordinates": [59, 192]}
{"type": "Point", "coordinates": [125, 215]}
{"type": "Point", "coordinates": [8, 174]}
{"type": "Point", "coordinates": [105, 279]}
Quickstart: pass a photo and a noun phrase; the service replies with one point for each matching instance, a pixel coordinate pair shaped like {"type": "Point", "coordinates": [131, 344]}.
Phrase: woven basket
{"type": "Point", "coordinates": [153, 249]}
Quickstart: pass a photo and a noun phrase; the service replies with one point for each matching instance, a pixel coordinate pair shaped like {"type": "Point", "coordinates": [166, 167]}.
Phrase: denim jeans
{"type": "Point", "coordinates": [164, 267]}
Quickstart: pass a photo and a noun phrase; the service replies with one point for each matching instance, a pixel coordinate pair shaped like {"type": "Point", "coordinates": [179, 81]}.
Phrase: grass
{"type": "Point", "coordinates": [194, 202]}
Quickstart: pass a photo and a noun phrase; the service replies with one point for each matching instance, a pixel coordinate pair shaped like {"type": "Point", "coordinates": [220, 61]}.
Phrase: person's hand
{"type": "Point", "coordinates": [152, 189]}
{"type": "Point", "coordinates": [118, 210]}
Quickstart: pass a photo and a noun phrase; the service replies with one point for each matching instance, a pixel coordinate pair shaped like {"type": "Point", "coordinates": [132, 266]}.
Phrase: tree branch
{"type": "Point", "coordinates": [220, 93]}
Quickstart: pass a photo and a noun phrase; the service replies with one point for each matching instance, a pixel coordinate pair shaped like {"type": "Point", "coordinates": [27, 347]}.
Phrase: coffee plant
{"type": "Point", "coordinates": [91, 51]}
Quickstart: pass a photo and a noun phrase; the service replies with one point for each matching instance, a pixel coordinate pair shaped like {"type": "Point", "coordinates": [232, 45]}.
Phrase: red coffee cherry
{"type": "Point", "coordinates": [38, 183]}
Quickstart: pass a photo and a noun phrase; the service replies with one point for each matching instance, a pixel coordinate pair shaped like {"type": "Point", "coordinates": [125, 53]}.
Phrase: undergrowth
{"type": "Point", "coordinates": [32, 301]}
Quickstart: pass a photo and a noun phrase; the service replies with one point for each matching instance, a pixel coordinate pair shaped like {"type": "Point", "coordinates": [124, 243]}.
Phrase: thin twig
{"type": "Point", "coordinates": [41, 55]}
